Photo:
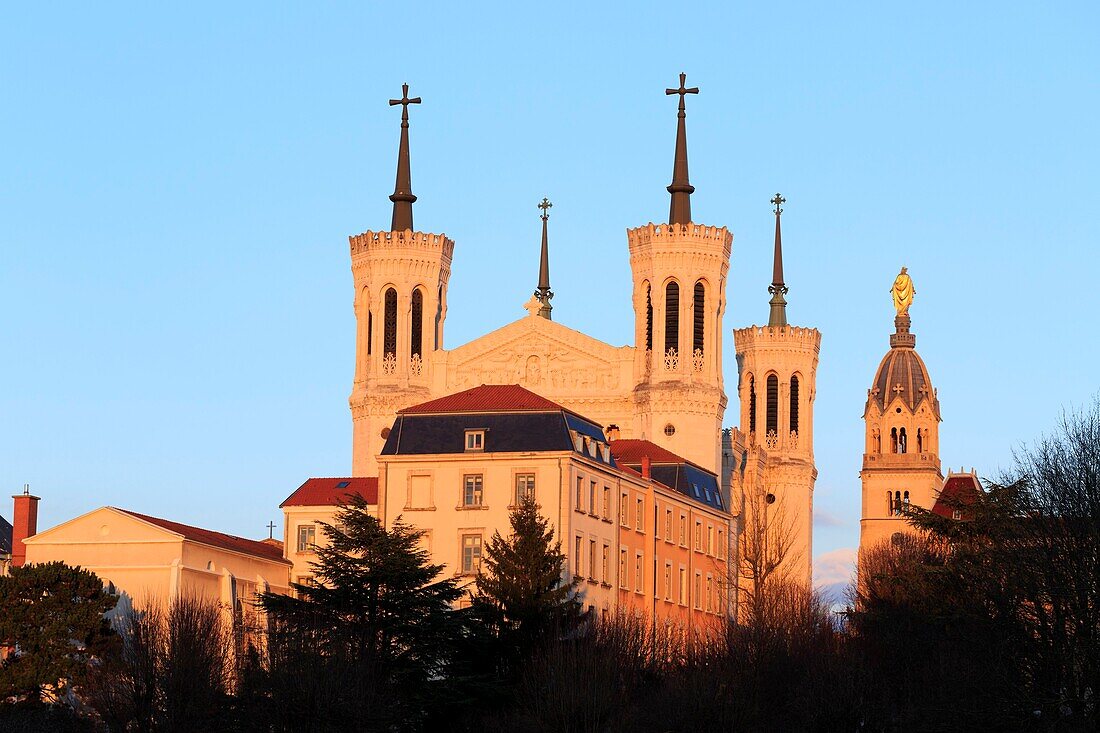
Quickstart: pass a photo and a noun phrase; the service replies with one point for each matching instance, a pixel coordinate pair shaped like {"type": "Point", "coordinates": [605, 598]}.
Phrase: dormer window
{"type": "Point", "coordinates": [475, 440]}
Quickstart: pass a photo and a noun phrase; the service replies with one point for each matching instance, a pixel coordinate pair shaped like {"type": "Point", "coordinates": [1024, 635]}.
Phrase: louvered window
{"type": "Point", "coordinates": [389, 338]}
{"type": "Point", "coordinates": [773, 404]}
{"type": "Point", "coordinates": [370, 330]}
{"type": "Point", "coordinates": [417, 321]}
{"type": "Point", "coordinates": [752, 404]}
{"type": "Point", "coordinates": [700, 316]}
{"type": "Point", "coordinates": [794, 404]}
{"type": "Point", "coordinates": [672, 317]}
{"type": "Point", "coordinates": [648, 318]}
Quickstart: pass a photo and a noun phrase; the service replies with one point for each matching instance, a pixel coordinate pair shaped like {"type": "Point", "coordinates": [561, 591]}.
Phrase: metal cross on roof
{"type": "Point", "coordinates": [271, 530]}
{"type": "Point", "coordinates": [778, 201]}
{"type": "Point", "coordinates": [545, 205]}
{"type": "Point", "coordinates": [682, 90]}
{"type": "Point", "coordinates": [405, 102]}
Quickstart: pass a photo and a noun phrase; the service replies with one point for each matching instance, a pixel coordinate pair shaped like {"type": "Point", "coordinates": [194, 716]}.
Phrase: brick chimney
{"type": "Point", "coordinates": [645, 467]}
{"type": "Point", "coordinates": [612, 433]}
{"type": "Point", "coordinates": [24, 524]}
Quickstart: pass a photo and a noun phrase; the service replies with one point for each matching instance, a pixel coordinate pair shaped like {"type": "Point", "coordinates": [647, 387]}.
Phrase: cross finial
{"type": "Point", "coordinates": [405, 102]}
{"type": "Point", "coordinates": [545, 205]}
{"type": "Point", "coordinates": [271, 530]}
{"type": "Point", "coordinates": [682, 91]}
{"type": "Point", "coordinates": [898, 389]}
{"type": "Point", "coordinates": [778, 201]}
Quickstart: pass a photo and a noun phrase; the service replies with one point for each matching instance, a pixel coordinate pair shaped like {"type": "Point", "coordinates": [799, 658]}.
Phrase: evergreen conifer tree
{"type": "Point", "coordinates": [52, 618]}
{"type": "Point", "coordinates": [521, 592]}
{"type": "Point", "coordinates": [368, 640]}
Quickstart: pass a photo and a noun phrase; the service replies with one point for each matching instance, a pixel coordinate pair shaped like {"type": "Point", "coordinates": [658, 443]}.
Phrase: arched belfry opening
{"type": "Point", "coordinates": [389, 329]}
{"type": "Point", "coordinates": [672, 317]}
{"type": "Point", "coordinates": [699, 318]}
{"type": "Point", "coordinates": [416, 324]}
{"type": "Point", "coordinates": [772, 420]}
{"type": "Point", "coordinates": [794, 404]}
{"type": "Point", "coordinates": [648, 317]}
{"type": "Point", "coordinates": [752, 404]}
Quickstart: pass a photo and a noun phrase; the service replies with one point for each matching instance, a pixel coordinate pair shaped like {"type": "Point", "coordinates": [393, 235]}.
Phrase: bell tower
{"type": "Point", "coordinates": [679, 271]}
{"type": "Point", "coordinates": [777, 383]}
{"type": "Point", "coordinates": [400, 305]}
{"type": "Point", "coordinates": [901, 461]}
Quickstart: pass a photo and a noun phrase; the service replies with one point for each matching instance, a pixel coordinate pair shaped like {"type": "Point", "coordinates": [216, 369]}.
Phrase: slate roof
{"type": "Point", "coordinates": [214, 539]}
{"type": "Point", "coordinates": [5, 537]}
{"type": "Point", "coordinates": [671, 470]}
{"type": "Point", "coordinates": [333, 491]}
{"type": "Point", "coordinates": [959, 490]}
{"type": "Point", "coordinates": [486, 398]}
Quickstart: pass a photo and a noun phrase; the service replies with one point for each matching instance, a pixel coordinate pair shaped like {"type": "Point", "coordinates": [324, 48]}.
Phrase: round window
{"type": "Point", "coordinates": [670, 430]}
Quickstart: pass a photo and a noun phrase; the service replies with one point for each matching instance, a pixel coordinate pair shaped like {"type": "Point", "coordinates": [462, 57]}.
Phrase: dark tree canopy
{"type": "Point", "coordinates": [53, 616]}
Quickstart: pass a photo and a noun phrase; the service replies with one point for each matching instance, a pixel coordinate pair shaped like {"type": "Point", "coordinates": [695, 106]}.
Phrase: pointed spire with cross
{"type": "Point", "coordinates": [778, 315]}
{"type": "Point", "coordinates": [681, 189]}
{"type": "Point", "coordinates": [403, 197]}
{"type": "Point", "coordinates": [543, 294]}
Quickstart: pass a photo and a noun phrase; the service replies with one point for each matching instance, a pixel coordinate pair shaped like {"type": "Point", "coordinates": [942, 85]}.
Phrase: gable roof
{"type": "Point", "coordinates": [675, 472]}
{"type": "Point", "coordinates": [5, 537]}
{"type": "Point", "coordinates": [333, 491]}
{"type": "Point", "coordinates": [632, 450]}
{"type": "Point", "coordinates": [212, 538]}
{"type": "Point", "coordinates": [486, 398]}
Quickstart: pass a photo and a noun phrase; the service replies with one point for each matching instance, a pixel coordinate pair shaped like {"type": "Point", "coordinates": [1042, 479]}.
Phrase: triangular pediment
{"type": "Point", "coordinates": [541, 355]}
{"type": "Point", "coordinates": [106, 524]}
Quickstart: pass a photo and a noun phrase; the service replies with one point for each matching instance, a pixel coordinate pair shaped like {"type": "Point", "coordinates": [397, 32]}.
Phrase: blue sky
{"type": "Point", "coordinates": [178, 185]}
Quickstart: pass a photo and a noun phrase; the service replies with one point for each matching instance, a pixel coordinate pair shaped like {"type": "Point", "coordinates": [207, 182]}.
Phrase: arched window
{"type": "Point", "coordinates": [920, 441]}
{"type": "Point", "coordinates": [889, 502]}
{"type": "Point", "coordinates": [389, 335]}
{"type": "Point", "coordinates": [438, 319]}
{"type": "Point", "coordinates": [700, 316]}
{"type": "Point", "coordinates": [416, 337]}
{"type": "Point", "coordinates": [370, 330]}
{"type": "Point", "coordinates": [752, 404]}
{"type": "Point", "coordinates": [893, 440]}
{"type": "Point", "coordinates": [905, 500]}
{"type": "Point", "coordinates": [794, 404]}
{"type": "Point", "coordinates": [672, 317]}
{"type": "Point", "coordinates": [897, 503]}
{"type": "Point", "coordinates": [772, 425]}
{"type": "Point", "coordinates": [648, 318]}
{"type": "Point", "coordinates": [876, 441]}
{"type": "Point", "coordinates": [902, 441]}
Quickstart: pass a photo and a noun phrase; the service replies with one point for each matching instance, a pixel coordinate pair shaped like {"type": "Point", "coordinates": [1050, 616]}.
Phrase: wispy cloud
{"type": "Point", "coordinates": [835, 566]}
{"type": "Point", "coordinates": [823, 518]}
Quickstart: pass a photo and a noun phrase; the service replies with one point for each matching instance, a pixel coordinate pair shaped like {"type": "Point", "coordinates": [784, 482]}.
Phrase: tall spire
{"type": "Point", "coordinates": [778, 288]}
{"type": "Point", "coordinates": [402, 197]}
{"type": "Point", "coordinates": [543, 294]}
{"type": "Point", "coordinates": [680, 209]}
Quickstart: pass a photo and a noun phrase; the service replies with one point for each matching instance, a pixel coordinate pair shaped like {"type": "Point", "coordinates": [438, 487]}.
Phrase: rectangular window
{"type": "Point", "coordinates": [580, 494]}
{"type": "Point", "coordinates": [475, 440]}
{"type": "Point", "coordinates": [624, 570]}
{"type": "Point", "coordinates": [683, 599]}
{"type": "Point", "coordinates": [683, 530]}
{"type": "Point", "coordinates": [639, 573]}
{"type": "Point", "coordinates": [307, 537]}
{"type": "Point", "coordinates": [698, 536]}
{"type": "Point", "coordinates": [471, 490]}
{"type": "Point", "coordinates": [592, 560]}
{"type": "Point", "coordinates": [623, 506]}
{"type": "Point", "coordinates": [578, 550]}
{"type": "Point", "coordinates": [721, 545]}
{"type": "Point", "coordinates": [710, 539]}
{"type": "Point", "coordinates": [639, 515]}
{"type": "Point", "coordinates": [698, 590]}
{"type": "Point", "coordinates": [525, 487]}
{"type": "Point", "coordinates": [607, 502]}
{"type": "Point", "coordinates": [668, 525]}
{"type": "Point", "coordinates": [668, 581]}
{"type": "Point", "coordinates": [606, 564]}
{"type": "Point", "coordinates": [710, 583]}
{"type": "Point", "coordinates": [592, 505]}
{"type": "Point", "coordinates": [471, 553]}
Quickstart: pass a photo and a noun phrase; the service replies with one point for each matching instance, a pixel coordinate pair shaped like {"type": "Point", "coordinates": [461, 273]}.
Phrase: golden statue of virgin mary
{"type": "Point", "coordinates": [903, 292]}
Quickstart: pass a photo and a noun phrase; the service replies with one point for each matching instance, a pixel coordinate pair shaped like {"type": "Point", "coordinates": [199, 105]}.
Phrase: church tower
{"type": "Point", "coordinates": [400, 305]}
{"type": "Point", "coordinates": [679, 272]}
{"type": "Point", "coordinates": [777, 369]}
{"type": "Point", "coordinates": [901, 462]}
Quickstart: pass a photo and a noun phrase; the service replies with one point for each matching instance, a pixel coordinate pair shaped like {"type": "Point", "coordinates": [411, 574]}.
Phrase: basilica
{"type": "Point", "coordinates": [660, 506]}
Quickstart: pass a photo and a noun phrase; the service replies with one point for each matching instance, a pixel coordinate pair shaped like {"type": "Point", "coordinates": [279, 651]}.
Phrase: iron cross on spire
{"type": "Point", "coordinates": [682, 91]}
{"type": "Point", "coordinates": [545, 205]}
{"type": "Point", "coordinates": [777, 202]}
{"type": "Point", "coordinates": [405, 102]}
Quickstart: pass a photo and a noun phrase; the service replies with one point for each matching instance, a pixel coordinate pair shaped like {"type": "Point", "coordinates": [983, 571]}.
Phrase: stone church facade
{"type": "Point", "coordinates": [666, 387]}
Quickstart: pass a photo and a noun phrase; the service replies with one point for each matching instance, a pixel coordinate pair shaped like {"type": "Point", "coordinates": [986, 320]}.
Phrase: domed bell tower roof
{"type": "Point", "coordinates": [902, 372]}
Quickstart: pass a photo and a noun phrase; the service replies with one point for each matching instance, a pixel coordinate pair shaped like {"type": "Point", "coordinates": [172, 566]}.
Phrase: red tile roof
{"type": "Point", "coordinates": [633, 450]}
{"type": "Point", "coordinates": [329, 492]}
{"type": "Point", "coordinates": [215, 539]}
{"type": "Point", "coordinates": [486, 398]}
{"type": "Point", "coordinates": [959, 491]}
